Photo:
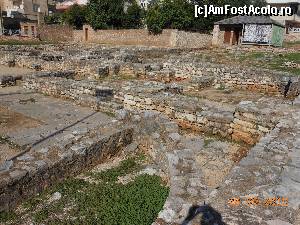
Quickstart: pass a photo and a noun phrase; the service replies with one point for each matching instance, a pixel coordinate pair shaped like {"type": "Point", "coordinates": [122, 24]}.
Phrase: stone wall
{"type": "Point", "coordinates": [85, 93]}
{"type": "Point", "coordinates": [292, 37]}
{"type": "Point", "coordinates": [168, 38]}
{"type": "Point", "coordinates": [190, 39]}
{"type": "Point", "coordinates": [78, 36]}
{"type": "Point", "coordinates": [128, 37]}
{"type": "Point", "coordinates": [55, 33]}
{"type": "Point", "coordinates": [266, 81]}
{"type": "Point", "coordinates": [32, 172]}
{"type": "Point", "coordinates": [246, 122]}
{"type": "Point", "coordinates": [16, 38]}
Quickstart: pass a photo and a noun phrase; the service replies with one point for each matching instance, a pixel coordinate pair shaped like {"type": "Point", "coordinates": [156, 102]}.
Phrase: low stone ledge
{"type": "Point", "coordinates": [35, 170]}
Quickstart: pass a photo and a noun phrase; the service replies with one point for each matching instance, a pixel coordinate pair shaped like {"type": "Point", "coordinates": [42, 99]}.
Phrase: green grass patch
{"type": "Point", "coordinates": [127, 166]}
{"type": "Point", "coordinates": [7, 216]}
{"type": "Point", "coordinates": [295, 57]}
{"type": "Point", "coordinates": [252, 56]}
{"type": "Point", "coordinates": [278, 62]}
{"type": "Point", "coordinates": [271, 61]}
{"type": "Point", "coordinates": [137, 202]}
{"type": "Point", "coordinates": [40, 216]}
{"type": "Point", "coordinates": [106, 201]}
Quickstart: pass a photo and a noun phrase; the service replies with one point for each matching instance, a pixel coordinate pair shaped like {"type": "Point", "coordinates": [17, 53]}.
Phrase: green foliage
{"type": "Point", "coordinates": [125, 167]}
{"type": "Point", "coordinates": [75, 16]}
{"type": "Point", "coordinates": [54, 19]}
{"type": "Point", "coordinates": [179, 14]}
{"type": "Point", "coordinates": [105, 14]}
{"type": "Point", "coordinates": [110, 14]}
{"type": "Point", "coordinates": [7, 216]}
{"type": "Point", "coordinates": [133, 17]}
{"type": "Point", "coordinates": [174, 14]}
{"type": "Point", "coordinates": [155, 20]}
{"type": "Point", "coordinates": [101, 201]}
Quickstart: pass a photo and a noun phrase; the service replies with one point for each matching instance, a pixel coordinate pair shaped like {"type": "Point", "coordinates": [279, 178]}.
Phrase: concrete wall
{"type": "Point", "coordinates": [168, 38]}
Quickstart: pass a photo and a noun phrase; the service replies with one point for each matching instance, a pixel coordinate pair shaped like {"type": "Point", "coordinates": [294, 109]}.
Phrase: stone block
{"type": "Point", "coordinates": [103, 71]}
{"type": "Point", "coordinates": [104, 92]}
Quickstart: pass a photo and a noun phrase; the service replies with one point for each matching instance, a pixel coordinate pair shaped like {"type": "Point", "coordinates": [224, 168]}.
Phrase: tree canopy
{"type": "Point", "coordinates": [161, 14]}
{"type": "Point", "coordinates": [179, 14]}
{"type": "Point", "coordinates": [75, 16]}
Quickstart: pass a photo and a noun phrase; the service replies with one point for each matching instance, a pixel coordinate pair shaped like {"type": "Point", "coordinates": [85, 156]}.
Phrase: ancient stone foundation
{"type": "Point", "coordinates": [37, 169]}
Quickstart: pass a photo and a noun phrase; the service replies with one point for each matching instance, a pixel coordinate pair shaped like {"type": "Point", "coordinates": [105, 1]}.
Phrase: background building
{"type": "Point", "coordinates": [292, 23]}
{"type": "Point", "coordinates": [257, 30]}
{"type": "Point", "coordinates": [31, 9]}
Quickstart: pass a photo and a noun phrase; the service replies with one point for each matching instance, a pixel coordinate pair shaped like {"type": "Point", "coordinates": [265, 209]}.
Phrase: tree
{"type": "Point", "coordinates": [104, 14]}
{"type": "Point", "coordinates": [154, 19]}
{"type": "Point", "coordinates": [53, 19]}
{"type": "Point", "coordinates": [134, 16]}
{"type": "Point", "coordinates": [179, 14]}
{"type": "Point", "coordinates": [174, 14]}
{"type": "Point", "coordinates": [75, 16]}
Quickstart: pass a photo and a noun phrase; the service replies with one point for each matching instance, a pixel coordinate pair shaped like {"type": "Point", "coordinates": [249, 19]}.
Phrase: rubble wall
{"type": "Point", "coordinates": [260, 80]}
{"type": "Point", "coordinates": [37, 169]}
{"type": "Point", "coordinates": [245, 123]}
{"type": "Point", "coordinates": [291, 37]}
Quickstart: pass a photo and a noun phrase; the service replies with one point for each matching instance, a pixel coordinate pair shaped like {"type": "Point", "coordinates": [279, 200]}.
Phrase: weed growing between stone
{"type": "Point", "coordinates": [104, 201]}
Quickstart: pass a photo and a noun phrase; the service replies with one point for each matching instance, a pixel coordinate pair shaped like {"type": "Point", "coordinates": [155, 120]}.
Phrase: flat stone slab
{"type": "Point", "coordinates": [55, 121]}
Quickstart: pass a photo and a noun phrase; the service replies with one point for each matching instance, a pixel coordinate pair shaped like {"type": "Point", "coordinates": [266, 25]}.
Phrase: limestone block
{"type": "Point", "coordinates": [244, 123]}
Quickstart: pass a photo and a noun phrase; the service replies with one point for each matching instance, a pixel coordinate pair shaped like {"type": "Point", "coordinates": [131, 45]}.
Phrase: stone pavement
{"type": "Point", "coordinates": [59, 121]}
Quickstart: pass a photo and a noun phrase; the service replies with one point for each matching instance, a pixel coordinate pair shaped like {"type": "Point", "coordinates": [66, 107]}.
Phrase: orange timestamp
{"type": "Point", "coordinates": [256, 201]}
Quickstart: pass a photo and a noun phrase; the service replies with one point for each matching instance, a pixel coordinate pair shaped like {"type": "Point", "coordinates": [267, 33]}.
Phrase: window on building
{"type": "Point", "coordinates": [32, 31]}
{"type": "Point", "coordinates": [36, 7]}
{"type": "Point", "coordinates": [26, 30]}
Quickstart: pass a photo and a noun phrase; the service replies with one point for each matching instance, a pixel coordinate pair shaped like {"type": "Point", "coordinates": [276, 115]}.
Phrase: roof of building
{"type": "Point", "coordinates": [248, 20]}
{"type": "Point", "coordinates": [67, 4]}
{"type": "Point", "coordinates": [282, 1]}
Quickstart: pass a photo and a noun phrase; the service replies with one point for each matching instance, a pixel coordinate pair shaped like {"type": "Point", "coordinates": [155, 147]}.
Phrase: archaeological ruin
{"type": "Point", "coordinates": [217, 132]}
